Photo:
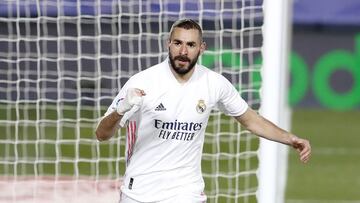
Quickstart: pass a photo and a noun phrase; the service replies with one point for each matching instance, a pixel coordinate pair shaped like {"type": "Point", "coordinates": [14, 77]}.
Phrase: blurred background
{"type": "Point", "coordinates": [325, 97]}
{"type": "Point", "coordinates": [50, 65]}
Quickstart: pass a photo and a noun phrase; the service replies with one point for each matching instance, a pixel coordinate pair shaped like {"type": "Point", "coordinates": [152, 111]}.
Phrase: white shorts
{"type": "Point", "coordinates": [181, 198]}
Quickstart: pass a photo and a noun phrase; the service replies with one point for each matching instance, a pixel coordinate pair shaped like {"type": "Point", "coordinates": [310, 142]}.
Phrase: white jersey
{"type": "Point", "coordinates": [165, 137]}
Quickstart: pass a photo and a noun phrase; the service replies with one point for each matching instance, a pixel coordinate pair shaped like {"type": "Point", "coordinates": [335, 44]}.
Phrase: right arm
{"type": "Point", "coordinates": [109, 124]}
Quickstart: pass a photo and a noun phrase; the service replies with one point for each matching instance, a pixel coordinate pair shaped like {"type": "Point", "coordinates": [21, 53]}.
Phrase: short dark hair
{"type": "Point", "coordinates": [186, 24]}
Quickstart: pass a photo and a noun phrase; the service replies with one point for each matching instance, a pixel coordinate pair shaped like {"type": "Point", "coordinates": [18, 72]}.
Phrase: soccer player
{"type": "Point", "coordinates": [171, 103]}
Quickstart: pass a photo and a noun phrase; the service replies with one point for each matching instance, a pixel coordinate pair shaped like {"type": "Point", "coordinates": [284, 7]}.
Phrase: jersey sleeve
{"type": "Point", "coordinates": [120, 96]}
{"type": "Point", "coordinates": [230, 101]}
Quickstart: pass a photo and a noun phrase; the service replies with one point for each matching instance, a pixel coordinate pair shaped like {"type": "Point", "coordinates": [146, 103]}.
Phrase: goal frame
{"type": "Point", "coordinates": [273, 156]}
{"type": "Point", "coordinates": [271, 173]}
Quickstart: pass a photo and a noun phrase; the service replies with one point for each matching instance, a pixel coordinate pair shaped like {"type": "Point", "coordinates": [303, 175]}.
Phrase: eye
{"type": "Point", "coordinates": [191, 45]}
{"type": "Point", "coordinates": [177, 43]}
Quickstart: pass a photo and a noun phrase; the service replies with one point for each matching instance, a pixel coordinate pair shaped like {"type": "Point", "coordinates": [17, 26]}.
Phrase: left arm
{"type": "Point", "coordinates": [268, 130]}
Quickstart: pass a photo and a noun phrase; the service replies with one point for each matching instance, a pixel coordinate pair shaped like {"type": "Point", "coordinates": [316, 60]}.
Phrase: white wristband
{"type": "Point", "coordinates": [128, 115]}
{"type": "Point", "coordinates": [132, 98]}
{"type": "Point", "coordinates": [123, 107]}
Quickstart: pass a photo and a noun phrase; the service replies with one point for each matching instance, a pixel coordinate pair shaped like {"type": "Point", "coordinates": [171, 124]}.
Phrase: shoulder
{"type": "Point", "coordinates": [213, 76]}
{"type": "Point", "coordinates": [148, 74]}
{"type": "Point", "coordinates": [153, 70]}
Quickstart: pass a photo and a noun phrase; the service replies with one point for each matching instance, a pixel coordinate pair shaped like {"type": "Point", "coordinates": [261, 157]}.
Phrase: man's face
{"type": "Point", "coordinates": [185, 47]}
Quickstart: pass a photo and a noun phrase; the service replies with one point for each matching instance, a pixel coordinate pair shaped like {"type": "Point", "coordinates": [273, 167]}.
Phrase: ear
{"type": "Point", "coordinates": [202, 47]}
{"type": "Point", "coordinates": [168, 42]}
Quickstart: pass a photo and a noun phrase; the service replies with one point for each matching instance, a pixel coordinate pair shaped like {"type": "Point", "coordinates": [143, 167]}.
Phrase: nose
{"type": "Point", "coordinates": [183, 50]}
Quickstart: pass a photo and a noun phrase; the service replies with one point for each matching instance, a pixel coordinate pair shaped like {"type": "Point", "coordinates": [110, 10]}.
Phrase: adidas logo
{"type": "Point", "coordinates": [160, 107]}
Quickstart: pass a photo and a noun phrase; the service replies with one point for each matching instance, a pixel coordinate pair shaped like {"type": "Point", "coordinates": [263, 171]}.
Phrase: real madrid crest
{"type": "Point", "coordinates": [201, 107]}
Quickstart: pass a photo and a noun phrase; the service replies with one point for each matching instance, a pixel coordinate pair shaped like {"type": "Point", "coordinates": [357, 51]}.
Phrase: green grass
{"type": "Point", "coordinates": [333, 172]}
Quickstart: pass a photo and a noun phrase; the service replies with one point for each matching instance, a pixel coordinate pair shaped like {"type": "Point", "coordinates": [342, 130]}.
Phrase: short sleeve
{"type": "Point", "coordinates": [230, 101]}
{"type": "Point", "coordinates": [120, 96]}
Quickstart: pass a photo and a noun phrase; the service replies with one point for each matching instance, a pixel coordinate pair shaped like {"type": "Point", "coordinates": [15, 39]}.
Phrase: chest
{"type": "Point", "coordinates": [190, 103]}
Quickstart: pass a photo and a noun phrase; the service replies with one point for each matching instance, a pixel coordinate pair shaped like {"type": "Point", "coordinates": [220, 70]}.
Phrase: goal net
{"type": "Point", "coordinates": [63, 61]}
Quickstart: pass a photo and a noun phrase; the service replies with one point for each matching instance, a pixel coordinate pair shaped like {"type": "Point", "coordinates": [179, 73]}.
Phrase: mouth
{"type": "Point", "coordinates": [183, 62]}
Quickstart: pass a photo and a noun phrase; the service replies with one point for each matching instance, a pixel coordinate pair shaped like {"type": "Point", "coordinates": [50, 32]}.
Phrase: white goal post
{"type": "Point", "coordinates": [63, 61]}
{"type": "Point", "coordinates": [274, 104]}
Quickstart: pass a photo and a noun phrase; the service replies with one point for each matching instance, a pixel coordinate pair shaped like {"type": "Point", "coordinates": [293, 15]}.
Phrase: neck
{"type": "Point", "coordinates": [182, 78]}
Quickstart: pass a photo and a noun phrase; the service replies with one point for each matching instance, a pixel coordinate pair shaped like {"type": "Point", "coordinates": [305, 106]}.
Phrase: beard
{"type": "Point", "coordinates": [182, 70]}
